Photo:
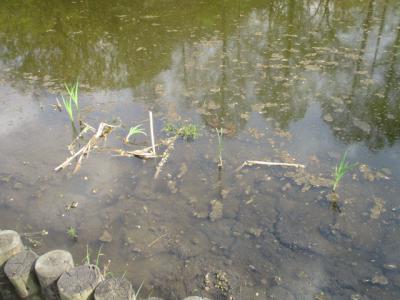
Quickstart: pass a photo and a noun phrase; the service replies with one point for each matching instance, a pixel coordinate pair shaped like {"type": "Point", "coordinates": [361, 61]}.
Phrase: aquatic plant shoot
{"type": "Point", "coordinates": [138, 129]}
{"type": "Point", "coordinates": [341, 169]}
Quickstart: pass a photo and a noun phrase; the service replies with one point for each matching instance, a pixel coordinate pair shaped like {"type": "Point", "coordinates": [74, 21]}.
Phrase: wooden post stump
{"type": "Point", "coordinates": [79, 283]}
{"type": "Point", "coordinates": [10, 244]}
{"type": "Point", "coordinates": [19, 270]}
{"type": "Point", "coordinates": [49, 268]}
{"type": "Point", "coordinates": [115, 288]}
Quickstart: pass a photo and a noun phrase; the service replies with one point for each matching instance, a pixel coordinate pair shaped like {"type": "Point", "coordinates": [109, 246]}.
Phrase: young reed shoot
{"type": "Point", "coordinates": [341, 169]}
{"type": "Point", "coordinates": [73, 94]}
{"type": "Point", "coordinates": [138, 129]}
{"type": "Point", "coordinates": [73, 99]}
{"type": "Point", "coordinates": [68, 108]}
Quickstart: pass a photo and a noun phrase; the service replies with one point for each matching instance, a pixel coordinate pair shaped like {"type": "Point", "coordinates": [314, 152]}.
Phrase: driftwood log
{"type": "Point", "coordinates": [79, 283]}
{"type": "Point", "coordinates": [49, 268]}
{"type": "Point", "coordinates": [19, 270]}
{"type": "Point", "coordinates": [115, 288]}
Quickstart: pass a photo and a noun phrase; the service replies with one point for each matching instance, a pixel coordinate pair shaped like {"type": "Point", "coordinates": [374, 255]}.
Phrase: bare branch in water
{"type": "Point", "coordinates": [268, 163]}
{"type": "Point", "coordinates": [103, 131]}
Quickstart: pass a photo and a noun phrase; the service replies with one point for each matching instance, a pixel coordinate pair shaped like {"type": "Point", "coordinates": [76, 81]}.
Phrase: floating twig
{"type": "Point", "coordinates": [268, 163]}
{"type": "Point", "coordinates": [156, 240]}
{"type": "Point", "coordinates": [170, 146]}
{"type": "Point", "coordinates": [144, 153]}
{"type": "Point", "coordinates": [58, 105]}
{"type": "Point", "coordinates": [86, 129]}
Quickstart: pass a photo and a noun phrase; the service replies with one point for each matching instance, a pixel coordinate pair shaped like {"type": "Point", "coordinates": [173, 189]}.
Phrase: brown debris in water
{"type": "Point", "coordinates": [378, 208]}
{"type": "Point", "coordinates": [371, 175]}
{"type": "Point", "coordinates": [308, 180]}
{"type": "Point", "coordinates": [103, 131]}
{"type": "Point", "coordinates": [218, 281]}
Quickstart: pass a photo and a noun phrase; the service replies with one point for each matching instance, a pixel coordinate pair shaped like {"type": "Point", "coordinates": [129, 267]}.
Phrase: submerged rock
{"type": "Point", "coordinates": [254, 231]}
{"type": "Point", "coordinates": [216, 210]}
{"type": "Point", "coordinates": [172, 186]}
{"type": "Point", "coordinates": [378, 208]}
{"type": "Point", "coordinates": [364, 126]}
{"type": "Point", "coordinates": [218, 281]}
{"type": "Point", "coordinates": [106, 237]}
{"type": "Point", "coordinates": [379, 279]}
{"type": "Point", "coordinates": [328, 118]}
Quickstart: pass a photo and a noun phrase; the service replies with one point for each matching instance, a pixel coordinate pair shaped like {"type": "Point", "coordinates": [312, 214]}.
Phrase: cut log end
{"type": "Point", "coordinates": [115, 288]}
{"type": "Point", "coordinates": [19, 270]}
{"type": "Point", "coordinates": [49, 268]}
{"type": "Point", "coordinates": [79, 283]}
{"type": "Point", "coordinates": [10, 245]}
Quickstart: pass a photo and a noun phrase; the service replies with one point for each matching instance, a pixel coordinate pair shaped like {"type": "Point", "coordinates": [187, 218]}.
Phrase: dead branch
{"type": "Point", "coordinates": [144, 153]}
{"type": "Point", "coordinates": [156, 240]}
{"type": "Point", "coordinates": [86, 129]}
{"type": "Point", "coordinates": [103, 131]}
{"type": "Point", "coordinates": [268, 163]}
{"type": "Point", "coordinates": [170, 146]}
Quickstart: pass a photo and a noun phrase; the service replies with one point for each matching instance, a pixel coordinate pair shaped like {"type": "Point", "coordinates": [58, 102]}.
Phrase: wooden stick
{"type": "Point", "coordinates": [84, 130]}
{"type": "Point", "coordinates": [156, 240]}
{"type": "Point", "coordinates": [165, 156]}
{"type": "Point", "coordinates": [103, 130]}
{"type": "Point", "coordinates": [268, 163]}
{"type": "Point", "coordinates": [144, 153]}
{"type": "Point", "coordinates": [66, 163]}
{"type": "Point", "coordinates": [152, 133]}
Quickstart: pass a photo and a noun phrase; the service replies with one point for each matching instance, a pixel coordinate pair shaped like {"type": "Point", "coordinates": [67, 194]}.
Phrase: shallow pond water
{"type": "Point", "coordinates": [287, 81]}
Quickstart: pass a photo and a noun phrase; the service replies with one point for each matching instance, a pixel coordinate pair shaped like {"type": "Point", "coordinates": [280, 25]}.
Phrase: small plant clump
{"type": "Point", "coordinates": [72, 233]}
{"type": "Point", "coordinates": [187, 131]}
{"type": "Point", "coordinates": [87, 260]}
{"type": "Point", "coordinates": [138, 129]}
{"type": "Point", "coordinates": [341, 169]}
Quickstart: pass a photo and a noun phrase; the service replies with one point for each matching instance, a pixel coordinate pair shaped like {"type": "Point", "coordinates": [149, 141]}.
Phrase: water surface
{"type": "Point", "coordinates": [289, 81]}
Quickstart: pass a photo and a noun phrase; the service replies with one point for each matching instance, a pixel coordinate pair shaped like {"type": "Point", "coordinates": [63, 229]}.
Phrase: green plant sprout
{"type": "Point", "coordinates": [138, 291]}
{"type": "Point", "coordinates": [73, 94]}
{"type": "Point", "coordinates": [68, 108]}
{"type": "Point", "coordinates": [99, 254]}
{"type": "Point", "coordinates": [341, 169]}
{"type": "Point", "coordinates": [220, 147]}
{"type": "Point", "coordinates": [134, 131]}
{"type": "Point", "coordinates": [87, 260]}
{"type": "Point", "coordinates": [187, 132]}
{"type": "Point", "coordinates": [72, 234]}
{"type": "Point", "coordinates": [73, 98]}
